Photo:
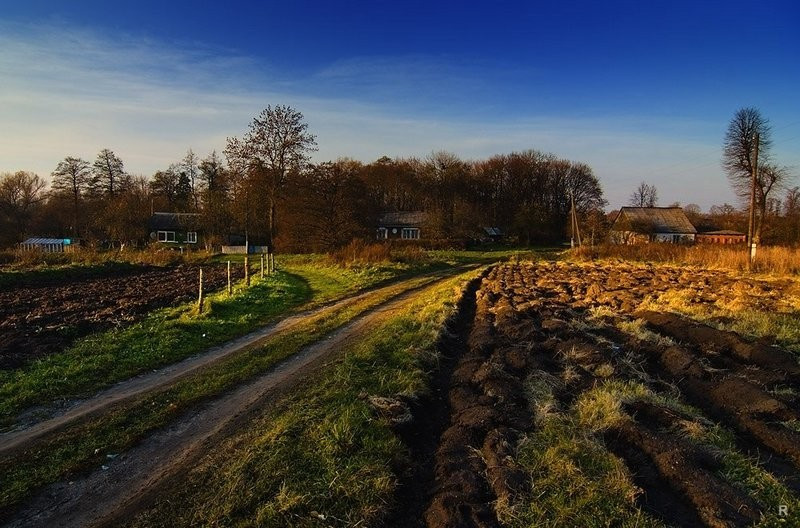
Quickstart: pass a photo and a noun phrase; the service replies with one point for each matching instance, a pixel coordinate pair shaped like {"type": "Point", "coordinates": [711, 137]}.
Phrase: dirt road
{"type": "Point", "coordinates": [129, 481]}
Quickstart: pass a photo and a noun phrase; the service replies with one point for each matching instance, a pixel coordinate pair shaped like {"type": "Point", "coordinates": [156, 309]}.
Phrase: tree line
{"type": "Point", "coordinates": [265, 188]}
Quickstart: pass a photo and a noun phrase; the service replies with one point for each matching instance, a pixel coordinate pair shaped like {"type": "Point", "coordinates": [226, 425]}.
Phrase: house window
{"type": "Point", "coordinates": [383, 233]}
{"type": "Point", "coordinates": [191, 237]}
{"type": "Point", "coordinates": [410, 233]}
{"type": "Point", "coordinates": [166, 236]}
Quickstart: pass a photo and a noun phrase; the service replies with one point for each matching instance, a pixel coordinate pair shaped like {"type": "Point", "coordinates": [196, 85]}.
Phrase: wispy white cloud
{"type": "Point", "coordinates": [66, 91]}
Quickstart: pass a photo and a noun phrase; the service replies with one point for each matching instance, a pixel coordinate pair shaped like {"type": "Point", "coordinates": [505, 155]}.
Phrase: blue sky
{"type": "Point", "coordinates": [641, 91]}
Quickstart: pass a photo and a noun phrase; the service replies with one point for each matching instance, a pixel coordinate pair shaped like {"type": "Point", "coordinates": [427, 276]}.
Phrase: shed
{"type": "Point", "coordinates": [174, 228]}
{"type": "Point", "coordinates": [722, 236]}
{"type": "Point", "coordinates": [48, 245]}
{"type": "Point", "coordinates": [636, 225]}
{"type": "Point", "coordinates": [405, 225]}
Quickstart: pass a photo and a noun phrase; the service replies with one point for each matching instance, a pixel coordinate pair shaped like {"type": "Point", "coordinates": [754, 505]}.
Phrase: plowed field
{"type": "Point", "coordinates": [41, 320]}
{"type": "Point", "coordinates": [560, 369]}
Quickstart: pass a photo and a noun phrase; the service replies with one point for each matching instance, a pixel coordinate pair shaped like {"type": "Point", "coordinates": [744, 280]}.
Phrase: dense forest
{"type": "Point", "coordinates": [320, 207]}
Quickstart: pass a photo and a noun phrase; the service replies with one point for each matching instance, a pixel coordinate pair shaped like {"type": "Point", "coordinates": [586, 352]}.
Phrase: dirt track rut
{"type": "Point", "coordinates": [131, 480]}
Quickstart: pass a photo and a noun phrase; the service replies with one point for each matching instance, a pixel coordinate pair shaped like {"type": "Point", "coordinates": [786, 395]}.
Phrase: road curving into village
{"type": "Point", "coordinates": [130, 480]}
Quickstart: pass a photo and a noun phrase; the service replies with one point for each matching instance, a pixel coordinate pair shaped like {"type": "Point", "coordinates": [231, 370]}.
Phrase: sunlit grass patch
{"type": "Point", "coordinates": [638, 328]}
{"type": "Point", "coordinates": [575, 480]}
{"type": "Point", "coordinates": [324, 456]}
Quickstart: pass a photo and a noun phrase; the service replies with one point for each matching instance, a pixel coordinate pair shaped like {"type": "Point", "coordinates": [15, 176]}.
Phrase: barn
{"type": "Point", "coordinates": [641, 225]}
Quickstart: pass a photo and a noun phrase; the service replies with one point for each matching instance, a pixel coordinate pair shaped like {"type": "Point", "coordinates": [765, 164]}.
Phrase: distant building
{"type": "Point", "coordinates": [723, 236]}
{"type": "Point", "coordinates": [495, 234]}
{"type": "Point", "coordinates": [405, 225]}
{"type": "Point", "coordinates": [49, 245]}
{"type": "Point", "coordinates": [640, 225]}
{"type": "Point", "coordinates": [175, 228]}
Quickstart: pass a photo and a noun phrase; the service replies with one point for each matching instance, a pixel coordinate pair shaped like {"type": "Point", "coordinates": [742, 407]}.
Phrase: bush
{"type": "Point", "coordinates": [358, 253]}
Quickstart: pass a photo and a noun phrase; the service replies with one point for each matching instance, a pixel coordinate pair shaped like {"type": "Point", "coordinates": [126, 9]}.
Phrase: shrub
{"type": "Point", "coordinates": [359, 253]}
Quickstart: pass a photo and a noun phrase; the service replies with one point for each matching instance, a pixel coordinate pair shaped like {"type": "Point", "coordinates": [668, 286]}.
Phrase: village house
{"type": "Point", "coordinates": [641, 225]}
{"type": "Point", "coordinates": [405, 225]}
{"type": "Point", "coordinates": [723, 236]}
{"type": "Point", "coordinates": [175, 228]}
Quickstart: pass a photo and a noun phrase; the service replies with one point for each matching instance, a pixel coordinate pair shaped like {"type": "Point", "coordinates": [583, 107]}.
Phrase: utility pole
{"type": "Point", "coordinates": [751, 224]}
{"type": "Point", "coordinates": [576, 232]}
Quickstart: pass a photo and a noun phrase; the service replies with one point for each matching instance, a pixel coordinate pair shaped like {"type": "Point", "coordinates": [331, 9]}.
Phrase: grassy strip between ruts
{"type": "Point", "coordinates": [322, 458]}
{"type": "Point", "coordinates": [171, 334]}
{"type": "Point", "coordinates": [86, 445]}
{"type": "Point", "coordinates": [567, 446]}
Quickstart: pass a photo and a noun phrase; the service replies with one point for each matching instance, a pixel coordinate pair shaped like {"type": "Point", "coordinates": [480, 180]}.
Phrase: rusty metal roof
{"type": "Point", "coordinates": [655, 220]}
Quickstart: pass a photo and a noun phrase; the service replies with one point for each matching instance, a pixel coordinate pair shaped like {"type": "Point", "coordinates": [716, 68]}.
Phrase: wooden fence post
{"type": "Point", "coordinates": [200, 295]}
{"type": "Point", "coordinates": [230, 286]}
{"type": "Point", "coordinates": [247, 270]}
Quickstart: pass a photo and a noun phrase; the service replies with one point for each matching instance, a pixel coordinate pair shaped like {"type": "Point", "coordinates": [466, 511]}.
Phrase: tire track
{"type": "Point", "coordinates": [134, 479]}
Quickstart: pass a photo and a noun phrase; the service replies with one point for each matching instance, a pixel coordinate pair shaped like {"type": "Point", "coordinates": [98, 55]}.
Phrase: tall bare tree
{"type": "Point", "coordinates": [109, 175]}
{"type": "Point", "coordinates": [72, 177]}
{"type": "Point", "coordinates": [645, 195]}
{"type": "Point", "coordinates": [276, 143]}
{"type": "Point", "coordinates": [746, 149]}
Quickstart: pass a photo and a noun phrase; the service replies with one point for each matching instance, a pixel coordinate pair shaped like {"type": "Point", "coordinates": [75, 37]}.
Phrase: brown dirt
{"type": "Point", "coordinates": [36, 321]}
{"type": "Point", "coordinates": [529, 319]}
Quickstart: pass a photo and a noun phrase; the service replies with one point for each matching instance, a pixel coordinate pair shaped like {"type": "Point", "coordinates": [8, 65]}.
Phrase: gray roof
{"type": "Point", "coordinates": [654, 220]}
{"type": "Point", "coordinates": [403, 218]}
{"type": "Point", "coordinates": [174, 221]}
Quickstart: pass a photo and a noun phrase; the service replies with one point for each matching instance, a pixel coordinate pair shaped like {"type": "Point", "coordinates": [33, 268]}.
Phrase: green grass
{"type": "Point", "coordinates": [171, 334]}
{"type": "Point", "coordinates": [567, 447]}
{"type": "Point", "coordinates": [322, 458]}
{"type": "Point", "coordinates": [575, 481]}
{"type": "Point", "coordinates": [84, 445]}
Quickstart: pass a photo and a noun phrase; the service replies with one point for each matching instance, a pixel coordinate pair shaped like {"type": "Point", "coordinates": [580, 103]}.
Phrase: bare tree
{"type": "Point", "coordinates": [770, 177]}
{"type": "Point", "coordinates": [108, 174]}
{"type": "Point", "coordinates": [72, 177]}
{"type": "Point", "coordinates": [645, 195]}
{"type": "Point", "coordinates": [20, 194]}
{"type": "Point", "coordinates": [189, 166]}
{"type": "Point", "coordinates": [277, 143]}
{"type": "Point", "coordinates": [746, 149]}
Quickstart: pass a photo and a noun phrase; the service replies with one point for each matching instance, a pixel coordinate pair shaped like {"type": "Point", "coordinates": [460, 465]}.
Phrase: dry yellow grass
{"type": "Point", "coordinates": [769, 259]}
